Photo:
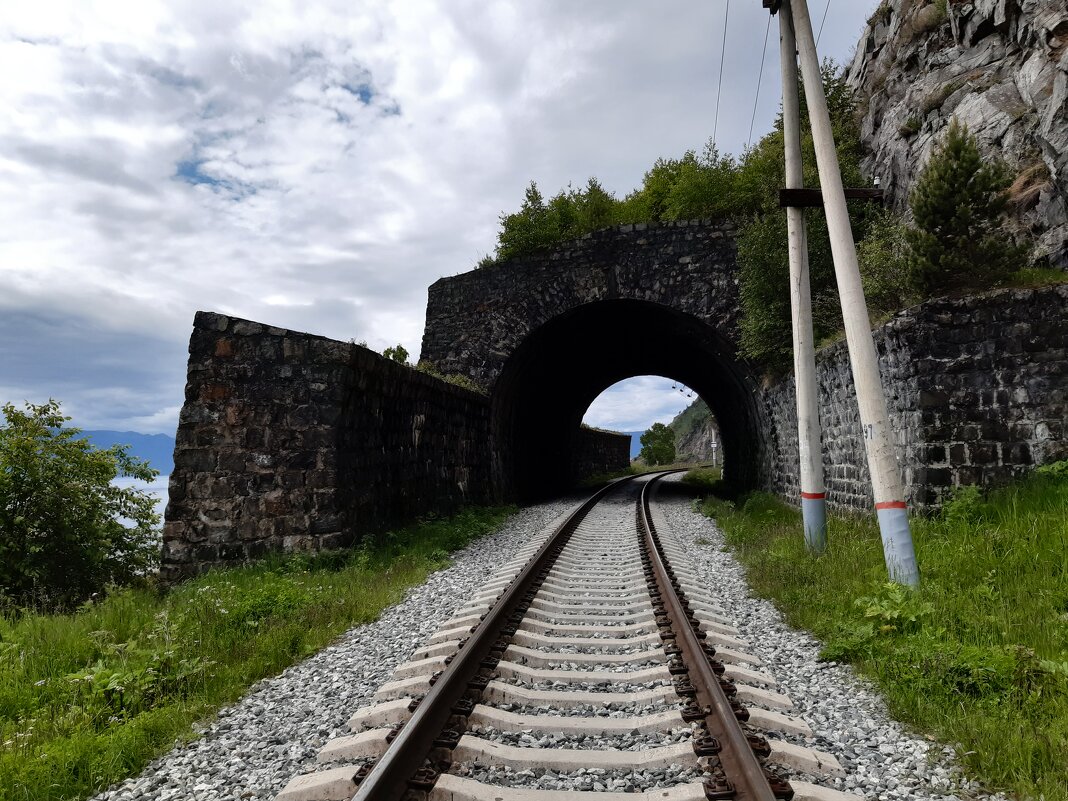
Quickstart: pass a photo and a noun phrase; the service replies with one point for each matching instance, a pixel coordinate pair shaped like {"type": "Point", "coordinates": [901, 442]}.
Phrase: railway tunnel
{"type": "Point", "coordinates": [546, 334]}
{"type": "Point", "coordinates": [549, 382]}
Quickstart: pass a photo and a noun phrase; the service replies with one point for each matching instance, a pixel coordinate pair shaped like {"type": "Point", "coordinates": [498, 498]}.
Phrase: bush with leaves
{"type": "Point", "coordinates": [456, 379]}
{"type": "Point", "coordinates": [397, 353]}
{"type": "Point", "coordinates": [539, 225]}
{"type": "Point", "coordinates": [889, 283]}
{"type": "Point", "coordinates": [65, 530]}
{"type": "Point", "coordinates": [959, 238]}
{"type": "Point", "coordinates": [658, 445]}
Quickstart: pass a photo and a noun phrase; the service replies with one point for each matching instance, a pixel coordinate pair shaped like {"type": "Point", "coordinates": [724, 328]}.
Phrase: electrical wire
{"type": "Point", "coordinates": [760, 77]}
{"type": "Point", "coordinates": [823, 21]}
{"type": "Point", "coordinates": [719, 87]}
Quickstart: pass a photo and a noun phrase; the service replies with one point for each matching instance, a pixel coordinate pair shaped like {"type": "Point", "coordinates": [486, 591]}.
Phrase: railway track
{"type": "Point", "coordinates": [594, 662]}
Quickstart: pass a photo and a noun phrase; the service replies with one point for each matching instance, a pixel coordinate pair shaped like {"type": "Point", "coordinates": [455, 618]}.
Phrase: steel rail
{"type": "Point", "coordinates": [389, 778]}
{"type": "Point", "coordinates": [739, 763]}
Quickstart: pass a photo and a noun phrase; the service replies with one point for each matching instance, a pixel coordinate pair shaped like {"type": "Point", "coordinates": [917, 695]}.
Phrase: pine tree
{"type": "Point", "coordinates": [529, 230]}
{"type": "Point", "coordinates": [958, 203]}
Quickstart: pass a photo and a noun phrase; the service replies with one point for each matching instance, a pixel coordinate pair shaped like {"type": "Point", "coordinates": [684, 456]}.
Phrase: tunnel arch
{"type": "Point", "coordinates": [549, 381]}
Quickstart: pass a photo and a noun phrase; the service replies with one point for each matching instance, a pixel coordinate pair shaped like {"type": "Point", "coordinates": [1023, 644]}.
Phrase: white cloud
{"type": "Point", "coordinates": [318, 165]}
{"type": "Point", "coordinates": [636, 403]}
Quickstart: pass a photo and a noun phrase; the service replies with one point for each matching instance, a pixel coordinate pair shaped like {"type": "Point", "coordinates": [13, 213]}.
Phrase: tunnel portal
{"type": "Point", "coordinates": [546, 334]}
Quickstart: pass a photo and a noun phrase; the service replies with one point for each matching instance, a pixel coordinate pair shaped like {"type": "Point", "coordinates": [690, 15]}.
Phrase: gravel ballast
{"type": "Point", "coordinates": [882, 760]}
{"type": "Point", "coordinates": [253, 748]}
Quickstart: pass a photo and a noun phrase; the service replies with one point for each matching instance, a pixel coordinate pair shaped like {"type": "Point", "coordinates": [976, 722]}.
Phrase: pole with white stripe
{"type": "Point", "coordinates": [813, 493]}
{"type": "Point", "coordinates": [871, 400]}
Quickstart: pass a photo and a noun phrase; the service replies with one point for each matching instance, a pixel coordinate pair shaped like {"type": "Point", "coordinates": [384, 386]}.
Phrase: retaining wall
{"type": "Point", "coordinates": [294, 442]}
{"type": "Point", "coordinates": [599, 452]}
{"type": "Point", "coordinates": [977, 389]}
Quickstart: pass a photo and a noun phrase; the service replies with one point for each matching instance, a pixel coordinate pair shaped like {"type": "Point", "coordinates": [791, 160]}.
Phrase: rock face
{"type": "Point", "coordinates": [998, 66]}
{"type": "Point", "coordinates": [697, 437]}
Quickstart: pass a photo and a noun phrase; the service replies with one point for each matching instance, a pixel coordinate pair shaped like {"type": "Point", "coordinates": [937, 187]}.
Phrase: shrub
{"type": "Point", "coordinates": [1054, 469]}
{"type": "Point", "coordinates": [456, 379]}
{"type": "Point", "coordinates": [884, 264]}
{"type": "Point", "coordinates": [910, 127]}
{"type": "Point", "coordinates": [397, 353]}
{"type": "Point", "coordinates": [65, 530]}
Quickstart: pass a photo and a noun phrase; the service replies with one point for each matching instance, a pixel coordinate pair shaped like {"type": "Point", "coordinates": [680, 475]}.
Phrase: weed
{"type": "Point", "coordinates": [910, 127]}
{"type": "Point", "coordinates": [895, 609]}
{"type": "Point", "coordinates": [705, 479]}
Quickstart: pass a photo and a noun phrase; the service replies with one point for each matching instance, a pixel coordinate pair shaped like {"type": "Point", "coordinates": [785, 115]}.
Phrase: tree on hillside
{"type": "Point", "coordinates": [571, 213]}
{"type": "Point", "coordinates": [65, 530]}
{"type": "Point", "coordinates": [658, 445]}
{"type": "Point", "coordinates": [650, 201]}
{"type": "Point", "coordinates": [595, 208]}
{"type": "Point", "coordinates": [959, 238]}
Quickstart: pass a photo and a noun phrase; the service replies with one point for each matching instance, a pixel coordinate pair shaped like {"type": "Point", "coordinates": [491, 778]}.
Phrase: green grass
{"type": "Point", "coordinates": [87, 699]}
{"type": "Point", "coordinates": [1036, 277]}
{"type": "Point", "coordinates": [704, 479]}
{"type": "Point", "coordinates": [978, 656]}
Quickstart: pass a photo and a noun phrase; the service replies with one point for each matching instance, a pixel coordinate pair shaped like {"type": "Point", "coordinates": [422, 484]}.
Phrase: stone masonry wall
{"type": "Point", "coordinates": [476, 320]}
{"type": "Point", "coordinates": [598, 452]}
{"type": "Point", "coordinates": [977, 389]}
{"type": "Point", "coordinates": [293, 442]}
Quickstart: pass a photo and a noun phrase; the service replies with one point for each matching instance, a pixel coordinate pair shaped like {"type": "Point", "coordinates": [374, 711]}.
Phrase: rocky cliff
{"type": "Point", "coordinates": [697, 436]}
{"type": "Point", "coordinates": [998, 66]}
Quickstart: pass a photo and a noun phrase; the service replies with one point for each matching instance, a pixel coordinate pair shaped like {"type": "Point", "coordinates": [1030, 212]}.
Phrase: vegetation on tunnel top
{"type": "Point", "coordinates": [902, 262]}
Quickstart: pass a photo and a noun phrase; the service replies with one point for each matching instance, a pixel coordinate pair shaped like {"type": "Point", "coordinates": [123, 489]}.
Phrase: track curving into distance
{"type": "Point", "coordinates": [593, 666]}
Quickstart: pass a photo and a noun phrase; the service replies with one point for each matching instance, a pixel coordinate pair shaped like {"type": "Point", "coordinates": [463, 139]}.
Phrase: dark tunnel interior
{"type": "Point", "coordinates": [560, 369]}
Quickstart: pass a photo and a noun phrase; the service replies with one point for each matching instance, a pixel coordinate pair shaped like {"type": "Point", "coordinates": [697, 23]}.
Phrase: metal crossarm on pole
{"type": "Point", "coordinates": [871, 400]}
{"type": "Point", "coordinates": [813, 198]}
{"type": "Point", "coordinates": [810, 451]}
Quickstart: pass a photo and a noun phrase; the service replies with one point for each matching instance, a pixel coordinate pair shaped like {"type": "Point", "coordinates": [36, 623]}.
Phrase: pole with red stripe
{"type": "Point", "coordinates": [871, 399]}
{"type": "Point", "coordinates": [810, 451]}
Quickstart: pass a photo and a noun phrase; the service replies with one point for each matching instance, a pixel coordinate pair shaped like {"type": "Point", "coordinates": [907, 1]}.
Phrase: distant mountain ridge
{"type": "Point", "coordinates": [156, 449]}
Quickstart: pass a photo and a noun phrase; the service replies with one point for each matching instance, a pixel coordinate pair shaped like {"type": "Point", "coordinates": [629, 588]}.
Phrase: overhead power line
{"type": "Point", "coordinates": [760, 76]}
{"type": "Point", "coordinates": [719, 87]}
{"type": "Point", "coordinates": [823, 21]}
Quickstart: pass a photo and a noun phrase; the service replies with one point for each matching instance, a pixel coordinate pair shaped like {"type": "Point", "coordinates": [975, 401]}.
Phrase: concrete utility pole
{"type": "Point", "coordinates": [882, 464]}
{"type": "Point", "coordinates": [813, 492]}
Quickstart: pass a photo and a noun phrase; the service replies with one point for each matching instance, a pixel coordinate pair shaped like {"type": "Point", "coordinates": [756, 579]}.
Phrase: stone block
{"type": "Point", "coordinates": [1018, 453]}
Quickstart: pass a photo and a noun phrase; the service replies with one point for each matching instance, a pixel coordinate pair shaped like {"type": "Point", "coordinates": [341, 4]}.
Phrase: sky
{"type": "Point", "coordinates": [317, 165]}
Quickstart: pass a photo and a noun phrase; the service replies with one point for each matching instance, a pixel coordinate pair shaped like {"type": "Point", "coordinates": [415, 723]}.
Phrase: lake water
{"type": "Point", "coordinates": [157, 488]}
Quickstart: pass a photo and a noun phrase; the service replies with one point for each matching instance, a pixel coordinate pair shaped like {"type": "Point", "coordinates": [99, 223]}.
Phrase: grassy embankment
{"type": "Point", "coordinates": [88, 698]}
{"type": "Point", "coordinates": [978, 656]}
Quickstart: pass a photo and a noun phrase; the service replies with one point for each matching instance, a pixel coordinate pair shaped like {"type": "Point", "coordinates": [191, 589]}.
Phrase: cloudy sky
{"type": "Point", "coordinates": [316, 165]}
